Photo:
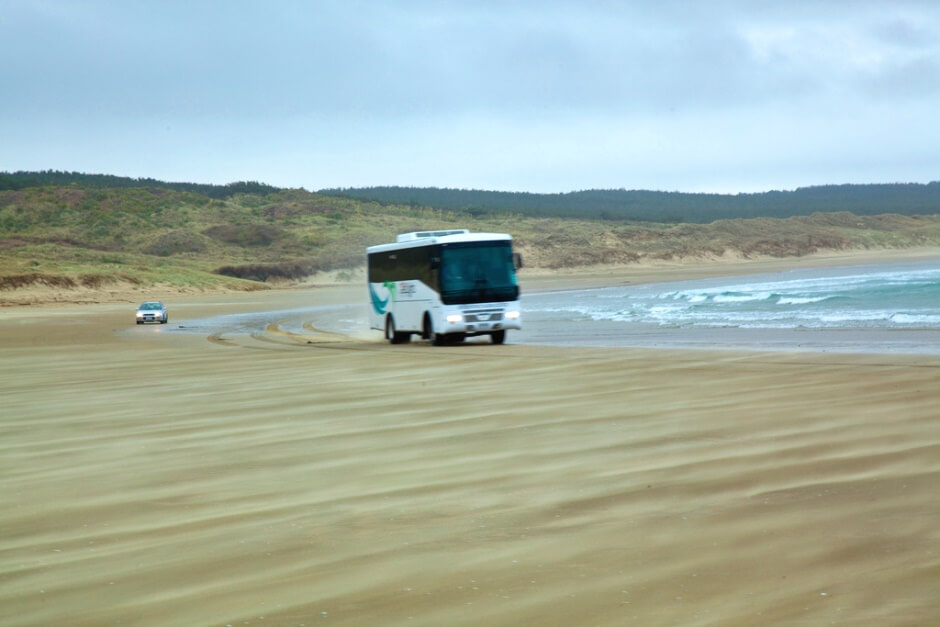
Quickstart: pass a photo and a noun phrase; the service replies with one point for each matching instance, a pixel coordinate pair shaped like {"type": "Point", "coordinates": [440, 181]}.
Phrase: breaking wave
{"type": "Point", "coordinates": [899, 296]}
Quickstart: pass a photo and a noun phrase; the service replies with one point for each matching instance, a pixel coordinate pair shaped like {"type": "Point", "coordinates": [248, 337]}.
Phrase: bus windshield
{"type": "Point", "coordinates": [477, 272]}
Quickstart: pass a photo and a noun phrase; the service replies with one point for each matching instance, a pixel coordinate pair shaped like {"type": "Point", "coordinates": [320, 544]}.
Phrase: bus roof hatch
{"type": "Point", "coordinates": [410, 237]}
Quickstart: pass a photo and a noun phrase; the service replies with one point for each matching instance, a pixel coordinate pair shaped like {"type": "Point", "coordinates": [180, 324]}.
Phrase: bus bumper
{"type": "Point", "coordinates": [472, 323]}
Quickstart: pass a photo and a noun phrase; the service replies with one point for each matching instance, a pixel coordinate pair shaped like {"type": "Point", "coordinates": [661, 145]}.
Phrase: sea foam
{"type": "Point", "coordinates": [901, 296]}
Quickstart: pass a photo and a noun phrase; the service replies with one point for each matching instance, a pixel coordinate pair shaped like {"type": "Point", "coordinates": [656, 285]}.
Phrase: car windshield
{"type": "Point", "coordinates": [151, 306]}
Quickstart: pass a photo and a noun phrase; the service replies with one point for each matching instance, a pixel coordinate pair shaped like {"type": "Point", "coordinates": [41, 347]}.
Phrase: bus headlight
{"type": "Point", "coordinates": [512, 315]}
{"type": "Point", "coordinates": [454, 318]}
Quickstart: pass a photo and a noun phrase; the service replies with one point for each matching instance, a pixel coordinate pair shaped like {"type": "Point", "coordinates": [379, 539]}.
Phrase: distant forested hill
{"type": "Point", "coordinates": [611, 204]}
{"type": "Point", "coordinates": [648, 206]}
{"type": "Point", "coordinates": [23, 180]}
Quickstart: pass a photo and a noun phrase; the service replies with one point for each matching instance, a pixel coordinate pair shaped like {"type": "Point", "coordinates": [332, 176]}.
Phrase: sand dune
{"type": "Point", "coordinates": [297, 477]}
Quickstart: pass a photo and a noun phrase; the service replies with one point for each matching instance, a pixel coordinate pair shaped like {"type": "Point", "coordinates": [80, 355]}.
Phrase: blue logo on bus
{"type": "Point", "coordinates": [381, 306]}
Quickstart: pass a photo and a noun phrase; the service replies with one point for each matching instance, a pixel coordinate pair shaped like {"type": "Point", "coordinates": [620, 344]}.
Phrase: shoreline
{"type": "Point", "coordinates": [541, 279]}
{"type": "Point", "coordinates": [299, 301]}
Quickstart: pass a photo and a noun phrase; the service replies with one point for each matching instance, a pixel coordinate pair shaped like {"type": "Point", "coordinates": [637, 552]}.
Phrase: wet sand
{"type": "Point", "coordinates": [296, 476]}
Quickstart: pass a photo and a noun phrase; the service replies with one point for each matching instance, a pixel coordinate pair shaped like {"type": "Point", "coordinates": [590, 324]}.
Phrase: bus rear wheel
{"type": "Point", "coordinates": [393, 336]}
{"type": "Point", "coordinates": [498, 337]}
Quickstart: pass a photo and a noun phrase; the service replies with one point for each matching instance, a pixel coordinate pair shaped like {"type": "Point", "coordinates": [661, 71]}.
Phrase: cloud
{"type": "Point", "coordinates": [545, 94]}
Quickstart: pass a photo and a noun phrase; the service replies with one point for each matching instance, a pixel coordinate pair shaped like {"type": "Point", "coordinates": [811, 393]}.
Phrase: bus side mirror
{"type": "Point", "coordinates": [517, 260]}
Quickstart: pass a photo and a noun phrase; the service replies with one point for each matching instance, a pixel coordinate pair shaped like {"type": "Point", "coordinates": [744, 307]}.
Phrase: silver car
{"type": "Point", "coordinates": [152, 311]}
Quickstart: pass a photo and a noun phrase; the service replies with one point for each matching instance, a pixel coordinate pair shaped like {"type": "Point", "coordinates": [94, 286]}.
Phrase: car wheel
{"type": "Point", "coordinates": [498, 337]}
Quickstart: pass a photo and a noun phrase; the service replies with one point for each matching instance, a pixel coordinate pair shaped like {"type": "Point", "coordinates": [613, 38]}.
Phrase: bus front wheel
{"type": "Point", "coordinates": [393, 336]}
{"type": "Point", "coordinates": [429, 334]}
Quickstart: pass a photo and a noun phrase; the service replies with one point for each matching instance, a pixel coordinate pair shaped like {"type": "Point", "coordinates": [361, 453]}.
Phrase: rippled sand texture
{"type": "Point", "coordinates": [304, 478]}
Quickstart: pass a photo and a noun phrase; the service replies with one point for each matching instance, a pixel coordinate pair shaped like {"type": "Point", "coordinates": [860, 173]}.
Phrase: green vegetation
{"type": "Point", "coordinates": [79, 235]}
{"type": "Point", "coordinates": [22, 180]}
{"type": "Point", "coordinates": [619, 204]}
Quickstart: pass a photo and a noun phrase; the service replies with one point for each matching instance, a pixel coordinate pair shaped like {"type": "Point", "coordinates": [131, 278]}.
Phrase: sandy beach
{"type": "Point", "coordinates": [305, 477]}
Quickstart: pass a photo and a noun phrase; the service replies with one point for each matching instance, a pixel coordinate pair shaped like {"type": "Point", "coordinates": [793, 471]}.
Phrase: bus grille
{"type": "Point", "coordinates": [483, 316]}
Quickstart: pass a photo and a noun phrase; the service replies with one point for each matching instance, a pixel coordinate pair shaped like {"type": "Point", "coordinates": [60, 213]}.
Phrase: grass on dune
{"type": "Point", "coordinates": [142, 236]}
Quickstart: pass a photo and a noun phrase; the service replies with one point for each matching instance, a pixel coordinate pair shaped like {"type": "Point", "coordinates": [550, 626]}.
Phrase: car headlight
{"type": "Point", "coordinates": [512, 315]}
{"type": "Point", "coordinates": [454, 318]}
{"type": "Point", "coordinates": [140, 314]}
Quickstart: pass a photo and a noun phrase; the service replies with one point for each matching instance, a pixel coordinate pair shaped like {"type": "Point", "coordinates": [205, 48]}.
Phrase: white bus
{"type": "Point", "coordinates": [444, 286]}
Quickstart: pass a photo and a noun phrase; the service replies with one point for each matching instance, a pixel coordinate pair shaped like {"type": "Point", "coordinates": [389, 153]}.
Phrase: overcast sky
{"type": "Point", "coordinates": [541, 96]}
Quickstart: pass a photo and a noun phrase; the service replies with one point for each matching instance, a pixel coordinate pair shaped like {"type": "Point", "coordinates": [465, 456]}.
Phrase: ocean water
{"type": "Point", "coordinates": [897, 296]}
{"type": "Point", "coordinates": [874, 301]}
{"type": "Point", "coordinates": [893, 308]}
